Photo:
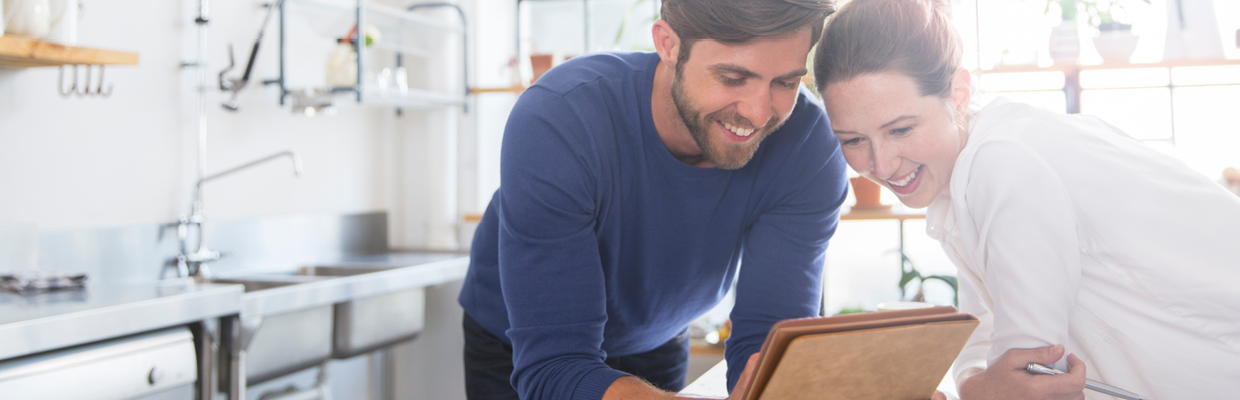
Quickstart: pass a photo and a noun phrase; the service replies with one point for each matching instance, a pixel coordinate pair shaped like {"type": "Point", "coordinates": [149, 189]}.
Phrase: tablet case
{"type": "Point", "coordinates": [894, 355]}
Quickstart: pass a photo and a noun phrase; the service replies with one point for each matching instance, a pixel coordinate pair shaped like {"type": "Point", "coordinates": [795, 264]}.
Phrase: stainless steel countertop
{"type": "Point", "coordinates": [411, 270]}
{"type": "Point", "coordinates": [47, 321]}
{"type": "Point", "coordinates": [35, 323]}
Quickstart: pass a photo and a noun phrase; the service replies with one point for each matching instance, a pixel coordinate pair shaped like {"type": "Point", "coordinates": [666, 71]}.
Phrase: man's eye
{"type": "Point", "coordinates": [788, 84]}
{"type": "Point", "coordinates": [732, 82]}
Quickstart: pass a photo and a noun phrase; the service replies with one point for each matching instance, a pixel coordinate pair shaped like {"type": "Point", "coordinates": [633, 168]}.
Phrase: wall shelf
{"type": "Point", "coordinates": [395, 26]}
{"type": "Point", "coordinates": [511, 89]}
{"type": "Point", "coordinates": [20, 52]}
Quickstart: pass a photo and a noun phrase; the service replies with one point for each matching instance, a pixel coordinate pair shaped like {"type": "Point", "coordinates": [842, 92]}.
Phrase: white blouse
{"type": "Point", "coordinates": [1067, 231]}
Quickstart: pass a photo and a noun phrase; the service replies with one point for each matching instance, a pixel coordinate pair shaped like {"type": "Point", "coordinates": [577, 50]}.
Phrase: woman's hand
{"type": "Point", "coordinates": [1006, 378]}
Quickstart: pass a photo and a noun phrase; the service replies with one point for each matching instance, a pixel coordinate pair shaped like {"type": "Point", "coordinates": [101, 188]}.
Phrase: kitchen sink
{"type": "Point", "coordinates": [277, 344]}
{"type": "Point", "coordinates": [340, 270]}
{"type": "Point", "coordinates": [369, 323]}
{"type": "Point", "coordinates": [300, 316]}
{"type": "Point", "coordinates": [256, 284]}
{"type": "Point", "coordinates": [322, 313]}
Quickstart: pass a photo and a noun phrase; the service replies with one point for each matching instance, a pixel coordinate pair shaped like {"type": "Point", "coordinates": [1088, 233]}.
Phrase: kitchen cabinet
{"type": "Point", "coordinates": [153, 365]}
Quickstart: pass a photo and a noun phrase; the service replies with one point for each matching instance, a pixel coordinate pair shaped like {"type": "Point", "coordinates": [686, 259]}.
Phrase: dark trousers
{"type": "Point", "coordinates": [488, 364]}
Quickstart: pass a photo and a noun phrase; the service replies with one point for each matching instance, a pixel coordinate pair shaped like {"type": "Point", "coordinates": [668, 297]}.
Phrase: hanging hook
{"type": "Point", "coordinates": [60, 87]}
{"type": "Point", "coordinates": [86, 87]}
{"type": "Point", "coordinates": [99, 89]}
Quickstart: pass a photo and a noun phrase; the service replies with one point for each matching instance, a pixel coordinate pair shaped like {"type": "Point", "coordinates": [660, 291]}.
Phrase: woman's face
{"type": "Point", "coordinates": [893, 135]}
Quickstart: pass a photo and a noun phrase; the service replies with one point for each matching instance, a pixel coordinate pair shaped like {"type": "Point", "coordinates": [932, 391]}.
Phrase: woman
{"type": "Point", "coordinates": [1070, 237]}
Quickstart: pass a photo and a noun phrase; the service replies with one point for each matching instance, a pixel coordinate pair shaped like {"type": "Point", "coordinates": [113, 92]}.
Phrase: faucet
{"type": "Point", "coordinates": [193, 259]}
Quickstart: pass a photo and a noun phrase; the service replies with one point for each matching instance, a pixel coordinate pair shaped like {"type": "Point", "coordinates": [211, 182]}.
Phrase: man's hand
{"type": "Point", "coordinates": [632, 388]}
{"type": "Point", "coordinates": [1006, 378]}
{"type": "Point", "coordinates": [742, 383]}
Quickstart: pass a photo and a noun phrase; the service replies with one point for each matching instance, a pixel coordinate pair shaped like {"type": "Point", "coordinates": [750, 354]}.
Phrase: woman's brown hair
{"type": "Point", "coordinates": [738, 21]}
{"type": "Point", "coordinates": [911, 37]}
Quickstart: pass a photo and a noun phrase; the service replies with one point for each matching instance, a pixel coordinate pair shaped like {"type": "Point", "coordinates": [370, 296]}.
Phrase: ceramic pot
{"type": "Point", "coordinates": [64, 21]}
{"type": "Point", "coordinates": [540, 63]}
{"type": "Point", "coordinates": [867, 192]}
{"type": "Point", "coordinates": [1115, 45]}
{"type": "Point", "coordinates": [30, 18]}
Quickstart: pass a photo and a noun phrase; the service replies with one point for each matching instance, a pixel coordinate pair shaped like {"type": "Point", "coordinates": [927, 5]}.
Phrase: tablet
{"type": "Point", "coordinates": [890, 355]}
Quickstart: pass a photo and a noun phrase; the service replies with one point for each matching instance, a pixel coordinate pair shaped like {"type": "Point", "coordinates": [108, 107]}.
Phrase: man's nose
{"type": "Point", "coordinates": [757, 106]}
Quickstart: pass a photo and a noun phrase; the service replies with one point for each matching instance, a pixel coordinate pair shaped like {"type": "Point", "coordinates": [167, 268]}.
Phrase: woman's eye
{"type": "Point", "coordinates": [901, 131]}
{"type": "Point", "coordinates": [851, 142]}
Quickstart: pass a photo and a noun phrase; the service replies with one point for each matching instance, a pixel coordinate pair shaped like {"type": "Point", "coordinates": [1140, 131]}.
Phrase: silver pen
{"type": "Point", "coordinates": [1035, 368]}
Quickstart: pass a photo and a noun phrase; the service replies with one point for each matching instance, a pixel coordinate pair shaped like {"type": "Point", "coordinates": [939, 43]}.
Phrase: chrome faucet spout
{"type": "Point", "coordinates": [193, 259]}
{"type": "Point", "coordinates": [291, 155]}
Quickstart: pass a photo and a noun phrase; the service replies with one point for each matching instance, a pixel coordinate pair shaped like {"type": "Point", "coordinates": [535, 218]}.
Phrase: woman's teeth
{"type": "Point", "coordinates": [743, 132]}
{"type": "Point", "coordinates": [906, 179]}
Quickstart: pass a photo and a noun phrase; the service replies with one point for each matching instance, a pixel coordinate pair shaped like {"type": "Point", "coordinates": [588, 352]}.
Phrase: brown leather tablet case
{"type": "Point", "coordinates": [895, 355]}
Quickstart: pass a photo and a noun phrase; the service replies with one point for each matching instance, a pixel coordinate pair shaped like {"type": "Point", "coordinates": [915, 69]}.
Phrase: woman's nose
{"type": "Point", "coordinates": [886, 161]}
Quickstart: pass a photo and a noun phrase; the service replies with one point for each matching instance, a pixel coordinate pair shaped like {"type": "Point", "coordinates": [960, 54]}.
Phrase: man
{"type": "Point", "coordinates": [634, 191]}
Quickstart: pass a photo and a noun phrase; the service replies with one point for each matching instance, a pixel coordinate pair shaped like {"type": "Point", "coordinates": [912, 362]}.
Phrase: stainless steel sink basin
{"type": "Point", "coordinates": [288, 342]}
{"type": "Point", "coordinates": [297, 317]}
{"type": "Point", "coordinates": [340, 270]}
{"type": "Point", "coordinates": [370, 323]}
{"type": "Point", "coordinates": [277, 344]}
{"type": "Point", "coordinates": [254, 285]}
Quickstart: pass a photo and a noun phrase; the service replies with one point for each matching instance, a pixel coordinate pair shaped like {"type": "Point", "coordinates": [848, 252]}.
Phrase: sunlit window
{"type": "Point", "coordinates": [1125, 78]}
{"type": "Point", "coordinates": [1208, 75]}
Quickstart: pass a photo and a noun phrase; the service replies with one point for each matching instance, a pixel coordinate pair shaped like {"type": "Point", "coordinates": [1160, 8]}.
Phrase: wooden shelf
{"type": "Point", "coordinates": [1125, 65]}
{"type": "Point", "coordinates": [510, 89]}
{"type": "Point", "coordinates": [20, 52]}
{"type": "Point", "coordinates": [864, 214]}
{"type": "Point", "coordinates": [701, 347]}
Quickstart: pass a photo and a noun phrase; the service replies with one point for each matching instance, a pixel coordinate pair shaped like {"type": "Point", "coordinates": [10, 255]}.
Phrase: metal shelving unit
{"type": "Point", "coordinates": [389, 19]}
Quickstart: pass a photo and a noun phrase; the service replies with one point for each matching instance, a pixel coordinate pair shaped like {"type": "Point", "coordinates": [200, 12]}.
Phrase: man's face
{"type": "Point", "coordinates": [732, 96]}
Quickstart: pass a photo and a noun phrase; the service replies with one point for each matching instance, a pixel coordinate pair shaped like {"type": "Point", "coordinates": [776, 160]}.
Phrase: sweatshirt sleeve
{"type": "Point", "coordinates": [1027, 246]}
{"type": "Point", "coordinates": [784, 250]}
{"type": "Point", "coordinates": [550, 272]}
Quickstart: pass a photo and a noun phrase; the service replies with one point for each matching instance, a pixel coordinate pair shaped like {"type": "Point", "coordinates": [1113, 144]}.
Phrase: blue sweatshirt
{"type": "Point", "coordinates": [600, 243]}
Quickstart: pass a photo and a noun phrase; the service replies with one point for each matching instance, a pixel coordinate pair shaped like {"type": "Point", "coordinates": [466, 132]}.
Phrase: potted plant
{"type": "Point", "coordinates": [911, 273]}
{"type": "Point", "coordinates": [1112, 20]}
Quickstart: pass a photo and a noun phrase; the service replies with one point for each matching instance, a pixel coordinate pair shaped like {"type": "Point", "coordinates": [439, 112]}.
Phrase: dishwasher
{"type": "Point", "coordinates": [157, 365]}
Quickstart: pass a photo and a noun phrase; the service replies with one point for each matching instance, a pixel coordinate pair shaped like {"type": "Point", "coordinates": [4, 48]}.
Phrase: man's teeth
{"type": "Point", "coordinates": [906, 179]}
{"type": "Point", "coordinates": [738, 130]}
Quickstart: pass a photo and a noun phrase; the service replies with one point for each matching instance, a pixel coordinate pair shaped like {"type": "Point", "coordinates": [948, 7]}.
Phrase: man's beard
{"type": "Point", "coordinates": [724, 155]}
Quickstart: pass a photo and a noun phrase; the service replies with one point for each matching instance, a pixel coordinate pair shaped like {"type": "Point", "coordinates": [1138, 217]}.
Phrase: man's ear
{"type": "Point", "coordinates": [666, 42]}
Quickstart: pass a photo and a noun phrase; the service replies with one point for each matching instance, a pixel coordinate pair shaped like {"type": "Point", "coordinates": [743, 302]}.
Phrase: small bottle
{"type": "Point", "coordinates": [342, 65]}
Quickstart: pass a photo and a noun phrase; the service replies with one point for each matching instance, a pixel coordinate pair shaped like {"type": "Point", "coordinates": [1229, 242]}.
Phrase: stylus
{"type": "Point", "coordinates": [1090, 384]}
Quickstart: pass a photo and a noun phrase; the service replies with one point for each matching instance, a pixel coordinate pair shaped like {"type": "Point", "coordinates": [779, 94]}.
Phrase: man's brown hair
{"type": "Point", "coordinates": [738, 21]}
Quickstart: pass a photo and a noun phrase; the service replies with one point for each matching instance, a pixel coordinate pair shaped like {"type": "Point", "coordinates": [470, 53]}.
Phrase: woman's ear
{"type": "Point", "coordinates": [962, 91]}
{"type": "Point", "coordinates": [666, 42]}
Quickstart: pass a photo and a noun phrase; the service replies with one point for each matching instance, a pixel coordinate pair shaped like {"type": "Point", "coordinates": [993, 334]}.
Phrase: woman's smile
{"type": "Point", "coordinates": [908, 184]}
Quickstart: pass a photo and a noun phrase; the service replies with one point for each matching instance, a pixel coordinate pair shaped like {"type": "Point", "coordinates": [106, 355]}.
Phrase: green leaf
{"type": "Point", "coordinates": [951, 281]}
